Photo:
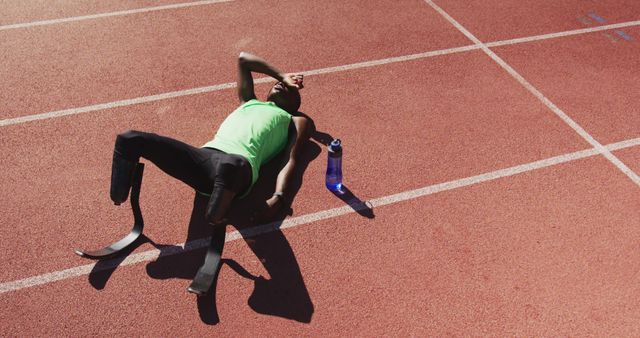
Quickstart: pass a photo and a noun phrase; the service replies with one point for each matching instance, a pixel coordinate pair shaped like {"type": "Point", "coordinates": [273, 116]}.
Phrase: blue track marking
{"type": "Point", "coordinates": [596, 17]}
{"type": "Point", "coordinates": [624, 35]}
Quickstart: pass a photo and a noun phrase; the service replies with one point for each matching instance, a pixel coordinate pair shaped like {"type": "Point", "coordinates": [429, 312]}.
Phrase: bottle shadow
{"type": "Point", "coordinates": [361, 207]}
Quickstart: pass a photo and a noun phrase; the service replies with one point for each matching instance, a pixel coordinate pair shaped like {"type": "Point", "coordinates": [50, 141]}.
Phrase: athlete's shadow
{"type": "Point", "coordinates": [283, 293]}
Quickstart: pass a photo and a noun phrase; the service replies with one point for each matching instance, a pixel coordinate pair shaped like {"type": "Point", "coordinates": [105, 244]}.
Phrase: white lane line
{"type": "Point", "coordinates": [207, 89]}
{"type": "Point", "coordinates": [624, 144]}
{"type": "Point", "coordinates": [396, 59]}
{"type": "Point", "coordinates": [533, 90]}
{"type": "Point", "coordinates": [562, 34]}
{"type": "Point", "coordinates": [115, 104]}
{"type": "Point", "coordinates": [109, 14]}
{"type": "Point", "coordinates": [313, 217]}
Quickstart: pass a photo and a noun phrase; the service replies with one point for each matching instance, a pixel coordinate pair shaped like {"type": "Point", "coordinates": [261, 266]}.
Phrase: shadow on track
{"type": "Point", "coordinates": [284, 294]}
{"type": "Point", "coordinates": [103, 269]}
{"type": "Point", "coordinates": [346, 195]}
{"type": "Point", "coordinates": [359, 206]}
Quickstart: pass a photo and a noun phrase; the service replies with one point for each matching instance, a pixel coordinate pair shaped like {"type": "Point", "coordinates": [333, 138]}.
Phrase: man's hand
{"type": "Point", "coordinates": [268, 210]}
{"type": "Point", "coordinates": [293, 80]}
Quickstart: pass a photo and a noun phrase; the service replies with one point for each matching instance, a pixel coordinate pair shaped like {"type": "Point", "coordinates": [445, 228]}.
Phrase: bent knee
{"type": "Point", "coordinates": [130, 135]}
{"type": "Point", "coordinates": [130, 144]}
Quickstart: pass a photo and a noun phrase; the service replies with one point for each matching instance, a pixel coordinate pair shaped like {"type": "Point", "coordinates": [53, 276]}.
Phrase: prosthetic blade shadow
{"type": "Point", "coordinates": [284, 294]}
{"type": "Point", "coordinates": [103, 269]}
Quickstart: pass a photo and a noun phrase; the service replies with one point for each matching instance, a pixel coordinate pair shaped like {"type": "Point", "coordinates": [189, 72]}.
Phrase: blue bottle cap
{"type": "Point", "coordinates": [335, 144]}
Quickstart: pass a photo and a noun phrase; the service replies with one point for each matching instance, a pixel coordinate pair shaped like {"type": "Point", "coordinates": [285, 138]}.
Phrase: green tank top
{"type": "Point", "coordinates": [256, 130]}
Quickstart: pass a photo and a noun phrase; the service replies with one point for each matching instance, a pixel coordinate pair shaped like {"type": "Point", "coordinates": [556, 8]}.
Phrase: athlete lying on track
{"type": "Point", "coordinates": [227, 166]}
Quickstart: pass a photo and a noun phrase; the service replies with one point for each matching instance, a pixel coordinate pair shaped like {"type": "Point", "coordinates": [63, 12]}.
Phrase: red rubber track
{"type": "Point", "coordinates": [631, 156]}
{"type": "Point", "coordinates": [589, 76]}
{"type": "Point", "coordinates": [491, 20]}
{"type": "Point", "coordinates": [546, 252]}
{"type": "Point", "coordinates": [440, 137]}
{"type": "Point", "coordinates": [104, 60]}
{"type": "Point", "coordinates": [543, 253]}
{"type": "Point", "coordinates": [38, 10]}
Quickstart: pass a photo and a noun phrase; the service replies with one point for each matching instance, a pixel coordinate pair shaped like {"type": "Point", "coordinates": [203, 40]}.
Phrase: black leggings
{"type": "Point", "coordinates": [200, 168]}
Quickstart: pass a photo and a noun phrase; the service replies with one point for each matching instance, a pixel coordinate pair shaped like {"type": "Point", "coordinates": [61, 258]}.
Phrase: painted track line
{"type": "Point", "coordinates": [228, 85]}
{"type": "Point", "coordinates": [352, 66]}
{"type": "Point", "coordinates": [313, 217]}
{"type": "Point", "coordinates": [115, 104]}
{"type": "Point", "coordinates": [533, 90]}
{"type": "Point", "coordinates": [110, 14]}
{"type": "Point", "coordinates": [207, 89]}
{"type": "Point", "coordinates": [562, 34]}
{"type": "Point", "coordinates": [396, 59]}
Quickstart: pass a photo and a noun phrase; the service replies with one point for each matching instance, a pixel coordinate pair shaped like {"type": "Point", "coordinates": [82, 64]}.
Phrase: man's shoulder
{"type": "Point", "coordinates": [304, 124]}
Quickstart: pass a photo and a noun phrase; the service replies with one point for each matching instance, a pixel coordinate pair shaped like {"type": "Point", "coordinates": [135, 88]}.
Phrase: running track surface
{"type": "Point", "coordinates": [494, 180]}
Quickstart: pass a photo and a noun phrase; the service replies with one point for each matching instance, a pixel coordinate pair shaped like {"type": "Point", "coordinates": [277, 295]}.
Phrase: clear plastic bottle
{"type": "Point", "coordinates": [334, 167]}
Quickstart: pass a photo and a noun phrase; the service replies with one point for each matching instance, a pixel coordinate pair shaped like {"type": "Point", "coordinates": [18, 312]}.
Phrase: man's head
{"type": "Point", "coordinates": [287, 98]}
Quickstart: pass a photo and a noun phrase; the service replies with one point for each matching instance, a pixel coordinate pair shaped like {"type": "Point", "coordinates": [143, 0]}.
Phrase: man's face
{"type": "Point", "coordinates": [283, 96]}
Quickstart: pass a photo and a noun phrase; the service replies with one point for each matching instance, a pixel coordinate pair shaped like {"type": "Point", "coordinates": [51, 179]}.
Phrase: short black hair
{"type": "Point", "coordinates": [289, 101]}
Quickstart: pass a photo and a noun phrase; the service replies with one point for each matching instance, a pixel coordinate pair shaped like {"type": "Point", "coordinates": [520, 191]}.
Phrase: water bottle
{"type": "Point", "coordinates": [334, 167]}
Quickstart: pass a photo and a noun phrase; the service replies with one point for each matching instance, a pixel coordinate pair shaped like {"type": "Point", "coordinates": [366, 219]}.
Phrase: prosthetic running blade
{"type": "Point", "coordinates": [208, 272]}
{"type": "Point", "coordinates": [138, 225]}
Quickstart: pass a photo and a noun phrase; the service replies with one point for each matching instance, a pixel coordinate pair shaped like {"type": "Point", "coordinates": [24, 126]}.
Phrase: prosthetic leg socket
{"type": "Point", "coordinates": [121, 177]}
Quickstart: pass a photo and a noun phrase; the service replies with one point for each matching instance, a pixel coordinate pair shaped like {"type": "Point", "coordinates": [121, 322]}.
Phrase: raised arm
{"type": "Point", "coordinates": [248, 63]}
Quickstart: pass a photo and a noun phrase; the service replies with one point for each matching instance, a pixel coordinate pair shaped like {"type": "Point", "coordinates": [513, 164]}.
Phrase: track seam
{"type": "Point", "coordinates": [109, 14]}
{"type": "Point", "coordinates": [313, 217]}
{"type": "Point", "coordinates": [533, 90]}
{"type": "Point", "coordinates": [352, 66]}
